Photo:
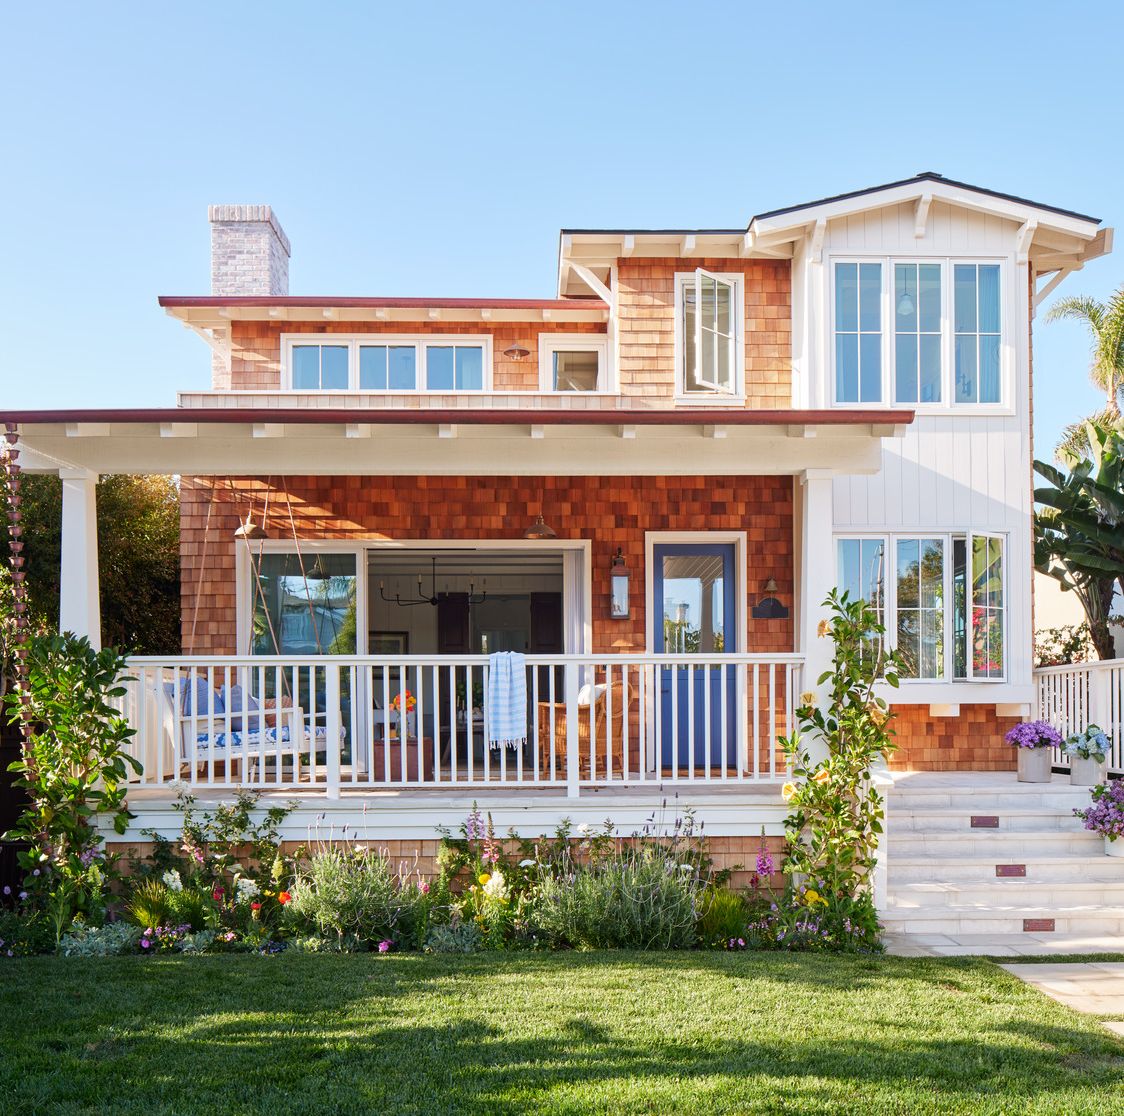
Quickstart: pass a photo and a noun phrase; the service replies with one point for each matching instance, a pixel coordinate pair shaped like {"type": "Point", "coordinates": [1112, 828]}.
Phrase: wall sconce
{"type": "Point", "coordinates": [769, 608]}
{"type": "Point", "coordinates": [250, 530]}
{"type": "Point", "coordinates": [515, 351]}
{"type": "Point", "coordinates": [540, 529]}
{"type": "Point", "coordinates": [618, 596]}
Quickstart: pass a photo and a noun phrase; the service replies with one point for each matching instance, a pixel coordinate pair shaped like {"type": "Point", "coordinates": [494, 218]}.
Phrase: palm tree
{"type": "Point", "coordinates": [1105, 321]}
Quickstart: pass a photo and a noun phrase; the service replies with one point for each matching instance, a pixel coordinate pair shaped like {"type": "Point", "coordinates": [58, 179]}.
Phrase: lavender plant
{"type": "Point", "coordinates": [1106, 814]}
{"type": "Point", "coordinates": [1034, 734]}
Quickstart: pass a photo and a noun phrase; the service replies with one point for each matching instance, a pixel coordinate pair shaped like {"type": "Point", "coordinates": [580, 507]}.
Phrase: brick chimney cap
{"type": "Point", "coordinates": [241, 214]}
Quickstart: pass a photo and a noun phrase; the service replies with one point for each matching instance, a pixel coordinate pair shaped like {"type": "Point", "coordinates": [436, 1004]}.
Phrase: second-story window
{"type": "Point", "coordinates": [858, 333]}
{"type": "Point", "coordinates": [977, 332]}
{"type": "Point", "coordinates": [708, 330]}
{"type": "Point", "coordinates": [572, 362]}
{"type": "Point", "coordinates": [376, 362]}
{"type": "Point", "coordinates": [917, 332]}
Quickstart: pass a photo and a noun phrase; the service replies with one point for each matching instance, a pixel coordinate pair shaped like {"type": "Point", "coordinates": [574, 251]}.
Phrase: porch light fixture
{"type": "Point", "coordinates": [539, 530]}
{"type": "Point", "coordinates": [769, 608]}
{"type": "Point", "coordinates": [251, 531]}
{"type": "Point", "coordinates": [515, 351]}
{"type": "Point", "coordinates": [474, 598]}
{"type": "Point", "coordinates": [618, 593]}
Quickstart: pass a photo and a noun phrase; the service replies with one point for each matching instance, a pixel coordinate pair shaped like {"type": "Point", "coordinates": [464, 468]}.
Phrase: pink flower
{"type": "Point", "coordinates": [145, 943]}
{"type": "Point", "coordinates": [423, 886]}
{"type": "Point", "coordinates": [384, 947]}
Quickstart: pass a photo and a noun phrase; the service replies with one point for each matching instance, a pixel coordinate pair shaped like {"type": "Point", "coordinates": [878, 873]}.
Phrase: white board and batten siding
{"type": "Point", "coordinates": [957, 468]}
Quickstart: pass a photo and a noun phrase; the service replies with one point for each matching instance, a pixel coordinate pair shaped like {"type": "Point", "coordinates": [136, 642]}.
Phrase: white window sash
{"type": "Point", "coordinates": [699, 374]}
{"type": "Point", "coordinates": [970, 604]}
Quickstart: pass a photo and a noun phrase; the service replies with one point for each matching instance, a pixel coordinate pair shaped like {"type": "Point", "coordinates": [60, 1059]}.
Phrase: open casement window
{"type": "Point", "coordinates": [710, 317]}
{"type": "Point", "coordinates": [979, 604]}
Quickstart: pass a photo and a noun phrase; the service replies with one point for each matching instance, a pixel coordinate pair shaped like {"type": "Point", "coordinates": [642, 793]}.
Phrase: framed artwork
{"type": "Point", "coordinates": [390, 643]}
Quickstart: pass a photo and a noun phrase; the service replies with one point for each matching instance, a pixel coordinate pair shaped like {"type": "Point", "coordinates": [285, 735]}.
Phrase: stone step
{"type": "Point", "coordinates": [998, 893]}
{"type": "Point", "coordinates": [1008, 846]}
{"type": "Point", "coordinates": [957, 819]}
{"type": "Point", "coordinates": [981, 800]}
{"type": "Point", "coordinates": [962, 869]}
{"type": "Point", "coordinates": [956, 919]}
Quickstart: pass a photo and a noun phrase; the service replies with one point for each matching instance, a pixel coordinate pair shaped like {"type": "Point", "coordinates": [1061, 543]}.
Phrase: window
{"type": "Point", "coordinates": [858, 332]}
{"type": "Point", "coordinates": [708, 335]}
{"type": "Point", "coordinates": [917, 332]}
{"type": "Point", "coordinates": [303, 605]}
{"type": "Point", "coordinates": [376, 362]}
{"type": "Point", "coordinates": [977, 332]}
{"type": "Point", "coordinates": [572, 362]}
{"type": "Point", "coordinates": [319, 367]}
{"type": "Point", "coordinates": [962, 639]}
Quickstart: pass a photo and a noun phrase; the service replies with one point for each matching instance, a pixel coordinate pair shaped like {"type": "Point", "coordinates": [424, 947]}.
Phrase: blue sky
{"type": "Point", "coordinates": [436, 150]}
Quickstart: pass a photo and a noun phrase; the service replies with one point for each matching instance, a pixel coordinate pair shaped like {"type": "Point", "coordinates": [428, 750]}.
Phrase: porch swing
{"type": "Point", "coordinates": [240, 722]}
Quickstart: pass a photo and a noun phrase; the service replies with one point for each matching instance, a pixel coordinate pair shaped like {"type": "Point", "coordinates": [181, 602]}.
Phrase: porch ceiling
{"type": "Point", "coordinates": [204, 441]}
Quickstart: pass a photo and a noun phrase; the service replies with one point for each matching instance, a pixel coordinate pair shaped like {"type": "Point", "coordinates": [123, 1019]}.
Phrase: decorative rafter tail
{"type": "Point", "coordinates": [13, 482]}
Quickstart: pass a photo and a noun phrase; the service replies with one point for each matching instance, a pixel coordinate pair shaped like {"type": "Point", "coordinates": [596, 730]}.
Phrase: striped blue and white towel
{"type": "Point", "coordinates": [507, 699]}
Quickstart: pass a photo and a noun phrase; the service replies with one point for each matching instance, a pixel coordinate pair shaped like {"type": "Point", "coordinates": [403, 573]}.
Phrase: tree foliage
{"type": "Point", "coordinates": [1079, 527]}
{"type": "Point", "coordinates": [138, 551]}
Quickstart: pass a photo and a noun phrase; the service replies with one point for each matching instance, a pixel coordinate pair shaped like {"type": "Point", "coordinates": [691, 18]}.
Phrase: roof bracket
{"type": "Point", "coordinates": [815, 248]}
{"type": "Point", "coordinates": [1022, 242]}
{"type": "Point", "coordinates": [592, 282]}
{"type": "Point", "coordinates": [921, 215]}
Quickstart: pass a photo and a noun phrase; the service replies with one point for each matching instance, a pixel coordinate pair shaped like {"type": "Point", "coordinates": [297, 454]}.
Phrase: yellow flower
{"type": "Point", "coordinates": [787, 791]}
{"type": "Point", "coordinates": [823, 629]}
{"type": "Point", "coordinates": [821, 776]}
{"type": "Point", "coordinates": [483, 878]}
{"type": "Point", "coordinates": [812, 897]}
{"type": "Point", "coordinates": [807, 698]}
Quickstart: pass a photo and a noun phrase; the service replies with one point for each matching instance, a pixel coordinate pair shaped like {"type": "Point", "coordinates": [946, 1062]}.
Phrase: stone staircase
{"type": "Point", "coordinates": [978, 862]}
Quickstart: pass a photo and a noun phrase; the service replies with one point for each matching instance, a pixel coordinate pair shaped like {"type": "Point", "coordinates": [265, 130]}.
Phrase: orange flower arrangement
{"type": "Point", "coordinates": [404, 701]}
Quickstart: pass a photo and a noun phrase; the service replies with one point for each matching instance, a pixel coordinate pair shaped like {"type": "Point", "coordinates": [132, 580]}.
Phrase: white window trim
{"type": "Point", "coordinates": [550, 343]}
{"type": "Point", "coordinates": [711, 398]}
{"type": "Point", "coordinates": [1007, 346]}
{"type": "Point", "coordinates": [420, 342]}
{"type": "Point", "coordinates": [890, 596]}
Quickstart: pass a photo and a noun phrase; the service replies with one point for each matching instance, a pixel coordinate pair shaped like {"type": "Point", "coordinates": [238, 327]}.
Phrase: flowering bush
{"type": "Point", "coordinates": [1034, 734]}
{"type": "Point", "coordinates": [835, 823]}
{"type": "Point", "coordinates": [1106, 815]}
{"type": "Point", "coordinates": [1090, 744]}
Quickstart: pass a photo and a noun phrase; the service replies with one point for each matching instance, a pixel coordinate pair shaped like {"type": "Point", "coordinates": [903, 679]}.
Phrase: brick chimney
{"type": "Point", "coordinates": [249, 251]}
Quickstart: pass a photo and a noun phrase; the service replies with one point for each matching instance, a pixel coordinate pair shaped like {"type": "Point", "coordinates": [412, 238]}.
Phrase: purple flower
{"type": "Point", "coordinates": [7, 890]}
{"type": "Point", "coordinates": [35, 872]}
{"type": "Point", "coordinates": [764, 864]}
{"type": "Point", "coordinates": [1035, 734]}
{"type": "Point", "coordinates": [145, 943]}
{"type": "Point", "coordinates": [384, 947]}
{"type": "Point", "coordinates": [23, 895]}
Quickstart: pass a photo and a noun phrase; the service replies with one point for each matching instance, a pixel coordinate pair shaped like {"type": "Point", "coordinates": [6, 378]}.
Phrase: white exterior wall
{"type": "Point", "coordinates": [957, 468]}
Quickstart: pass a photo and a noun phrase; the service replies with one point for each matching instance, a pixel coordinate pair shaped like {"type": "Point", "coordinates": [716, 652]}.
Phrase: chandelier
{"type": "Point", "coordinates": [474, 598]}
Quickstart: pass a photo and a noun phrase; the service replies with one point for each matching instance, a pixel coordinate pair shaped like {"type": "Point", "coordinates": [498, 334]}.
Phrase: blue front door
{"type": "Point", "coordinates": [693, 593]}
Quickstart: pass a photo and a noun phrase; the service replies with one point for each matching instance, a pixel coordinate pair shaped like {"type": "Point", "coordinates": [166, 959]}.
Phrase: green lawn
{"type": "Point", "coordinates": [619, 1033]}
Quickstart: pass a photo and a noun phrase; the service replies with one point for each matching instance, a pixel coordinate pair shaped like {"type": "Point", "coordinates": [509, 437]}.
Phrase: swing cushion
{"type": "Point", "coordinates": [236, 701]}
{"type": "Point", "coordinates": [256, 740]}
{"type": "Point", "coordinates": [199, 698]}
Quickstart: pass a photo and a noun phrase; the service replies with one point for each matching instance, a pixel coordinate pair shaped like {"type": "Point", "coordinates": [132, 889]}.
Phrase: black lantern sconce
{"type": "Point", "coordinates": [618, 595]}
{"type": "Point", "coordinates": [769, 608]}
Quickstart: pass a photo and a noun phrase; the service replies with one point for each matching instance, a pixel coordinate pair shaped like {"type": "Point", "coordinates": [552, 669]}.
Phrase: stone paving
{"type": "Point", "coordinates": [1000, 945]}
{"type": "Point", "coordinates": [1095, 987]}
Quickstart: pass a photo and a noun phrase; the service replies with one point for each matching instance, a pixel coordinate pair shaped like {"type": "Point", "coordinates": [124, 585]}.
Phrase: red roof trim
{"type": "Point", "coordinates": [299, 301]}
{"type": "Point", "coordinates": [305, 416]}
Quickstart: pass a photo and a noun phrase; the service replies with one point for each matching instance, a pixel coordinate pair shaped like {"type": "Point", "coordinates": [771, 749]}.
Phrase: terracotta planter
{"type": "Point", "coordinates": [1114, 848]}
{"type": "Point", "coordinates": [1085, 772]}
{"type": "Point", "coordinates": [1035, 764]}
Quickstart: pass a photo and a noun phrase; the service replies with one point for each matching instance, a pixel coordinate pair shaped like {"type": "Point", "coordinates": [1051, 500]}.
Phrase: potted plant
{"type": "Point", "coordinates": [1106, 815]}
{"type": "Point", "coordinates": [1086, 751]}
{"type": "Point", "coordinates": [1035, 741]}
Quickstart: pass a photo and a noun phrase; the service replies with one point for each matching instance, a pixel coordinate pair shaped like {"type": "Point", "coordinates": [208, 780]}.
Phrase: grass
{"type": "Point", "coordinates": [558, 1033]}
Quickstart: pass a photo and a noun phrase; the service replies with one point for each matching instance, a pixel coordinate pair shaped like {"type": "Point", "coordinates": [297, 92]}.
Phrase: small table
{"type": "Point", "coordinates": [379, 753]}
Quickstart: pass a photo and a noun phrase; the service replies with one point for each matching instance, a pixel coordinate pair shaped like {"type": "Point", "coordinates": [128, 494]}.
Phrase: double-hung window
{"type": "Point", "coordinates": [708, 332]}
{"type": "Point", "coordinates": [377, 362]}
{"type": "Point", "coordinates": [941, 597]}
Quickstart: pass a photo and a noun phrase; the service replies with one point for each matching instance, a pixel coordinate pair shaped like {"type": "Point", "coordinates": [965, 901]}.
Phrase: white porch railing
{"type": "Point", "coordinates": [330, 723]}
{"type": "Point", "coordinates": [1073, 697]}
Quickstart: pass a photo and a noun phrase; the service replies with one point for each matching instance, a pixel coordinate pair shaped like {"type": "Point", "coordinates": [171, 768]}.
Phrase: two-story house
{"type": "Point", "coordinates": [646, 485]}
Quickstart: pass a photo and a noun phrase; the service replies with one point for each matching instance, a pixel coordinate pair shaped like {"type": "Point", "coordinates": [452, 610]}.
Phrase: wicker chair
{"type": "Point", "coordinates": [608, 732]}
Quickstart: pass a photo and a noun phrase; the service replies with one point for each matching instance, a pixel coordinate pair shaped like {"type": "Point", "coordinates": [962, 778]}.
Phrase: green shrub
{"type": "Point", "coordinates": [190, 908]}
{"type": "Point", "coordinates": [723, 916]}
{"type": "Point", "coordinates": [110, 940]}
{"type": "Point", "coordinates": [149, 904]}
{"type": "Point", "coordinates": [355, 895]}
{"type": "Point", "coordinates": [454, 937]}
{"type": "Point", "coordinates": [24, 932]}
{"type": "Point", "coordinates": [641, 900]}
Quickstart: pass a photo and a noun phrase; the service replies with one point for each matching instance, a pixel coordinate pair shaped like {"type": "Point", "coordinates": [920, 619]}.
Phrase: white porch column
{"type": "Point", "coordinates": [817, 579]}
{"type": "Point", "coordinates": [79, 600]}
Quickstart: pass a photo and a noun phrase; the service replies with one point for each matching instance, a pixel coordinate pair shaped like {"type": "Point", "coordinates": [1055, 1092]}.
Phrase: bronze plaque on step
{"type": "Point", "coordinates": [1002, 870]}
{"type": "Point", "coordinates": [1038, 925]}
{"type": "Point", "coordinates": [984, 821]}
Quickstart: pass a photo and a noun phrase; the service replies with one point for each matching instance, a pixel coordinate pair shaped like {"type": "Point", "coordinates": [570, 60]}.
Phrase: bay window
{"type": "Point", "coordinates": [708, 334]}
{"type": "Point", "coordinates": [944, 607]}
{"type": "Point", "coordinates": [377, 362]}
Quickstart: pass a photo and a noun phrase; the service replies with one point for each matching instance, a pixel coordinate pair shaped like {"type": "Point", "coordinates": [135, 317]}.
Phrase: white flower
{"type": "Point", "coordinates": [527, 863]}
{"type": "Point", "coordinates": [496, 887]}
{"type": "Point", "coordinates": [172, 880]}
{"type": "Point", "coordinates": [246, 889]}
{"type": "Point", "coordinates": [584, 829]}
